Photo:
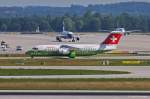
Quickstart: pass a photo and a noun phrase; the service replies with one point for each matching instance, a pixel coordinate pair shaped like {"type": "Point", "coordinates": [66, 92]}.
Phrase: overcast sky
{"type": "Point", "coordinates": [59, 2]}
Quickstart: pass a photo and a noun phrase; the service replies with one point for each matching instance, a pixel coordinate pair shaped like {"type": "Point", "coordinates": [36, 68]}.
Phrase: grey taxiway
{"type": "Point", "coordinates": [73, 94]}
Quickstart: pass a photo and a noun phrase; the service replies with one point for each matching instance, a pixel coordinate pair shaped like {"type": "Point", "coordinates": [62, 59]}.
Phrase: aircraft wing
{"type": "Point", "coordinates": [69, 47]}
{"type": "Point", "coordinates": [131, 31]}
{"type": "Point", "coordinates": [104, 30]}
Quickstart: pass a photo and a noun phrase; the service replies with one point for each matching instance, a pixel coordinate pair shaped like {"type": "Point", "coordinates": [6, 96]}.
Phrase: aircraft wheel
{"type": "Point", "coordinates": [78, 38]}
{"type": "Point", "coordinates": [32, 56]}
{"type": "Point", "coordinates": [58, 39]}
{"type": "Point", "coordinates": [73, 40]}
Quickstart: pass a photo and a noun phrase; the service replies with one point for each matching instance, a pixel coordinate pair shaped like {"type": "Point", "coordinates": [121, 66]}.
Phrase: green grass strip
{"type": "Point", "coordinates": [74, 62]}
{"type": "Point", "coordinates": [20, 72]}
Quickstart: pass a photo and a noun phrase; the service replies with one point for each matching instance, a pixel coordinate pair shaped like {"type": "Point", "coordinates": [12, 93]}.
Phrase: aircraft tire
{"type": "Point", "coordinates": [78, 38]}
{"type": "Point", "coordinates": [58, 39]}
{"type": "Point", "coordinates": [73, 40]}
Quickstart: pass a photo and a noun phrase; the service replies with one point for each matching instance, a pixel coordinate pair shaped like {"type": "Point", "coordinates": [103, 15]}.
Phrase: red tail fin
{"type": "Point", "coordinates": [113, 38]}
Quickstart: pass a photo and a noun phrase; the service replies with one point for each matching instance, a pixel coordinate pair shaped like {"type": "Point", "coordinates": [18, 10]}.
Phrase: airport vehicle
{"type": "Point", "coordinates": [4, 45]}
{"type": "Point", "coordinates": [73, 50]}
{"type": "Point", "coordinates": [4, 48]}
{"type": "Point", "coordinates": [67, 35]}
{"type": "Point", "coordinates": [19, 48]}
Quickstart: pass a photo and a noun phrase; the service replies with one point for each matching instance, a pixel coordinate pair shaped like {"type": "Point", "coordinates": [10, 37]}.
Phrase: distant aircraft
{"type": "Point", "coordinates": [122, 30]}
{"type": "Point", "coordinates": [126, 32]}
{"type": "Point", "coordinates": [73, 50]}
{"type": "Point", "coordinates": [67, 35]}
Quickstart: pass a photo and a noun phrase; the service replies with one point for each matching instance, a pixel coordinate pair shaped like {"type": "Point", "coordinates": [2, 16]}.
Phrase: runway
{"type": "Point", "coordinates": [115, 57]}
{"type": "Point", "coordinates": [70, 97]}
{"type": "Point", "coordinates": [70, 94]}
{"type": "Point", "coordinates": [135, 71]}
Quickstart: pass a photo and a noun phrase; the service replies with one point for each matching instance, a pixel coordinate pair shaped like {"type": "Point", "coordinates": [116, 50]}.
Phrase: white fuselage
{"type": "Point", "coordinates": [91, 47]}
{"type": "Point", "coordinates": [78, 46]}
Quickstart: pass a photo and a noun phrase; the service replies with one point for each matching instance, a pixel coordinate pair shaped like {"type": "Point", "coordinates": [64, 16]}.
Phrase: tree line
{"type": "Point", "coordinates": [89, 22]}
{"type": "Point", "coordinates": [133, 8]}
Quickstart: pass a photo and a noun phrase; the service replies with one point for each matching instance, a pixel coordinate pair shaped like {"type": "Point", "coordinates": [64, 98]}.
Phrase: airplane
{"type": "Point", "coordinates": [67, 35]}
{"type": "Point", "coordinates": [122, 30]}
{"type": "Point", "coordinates": [126, 32]}
{"type": "Point", "coordinates": [73, 50]}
